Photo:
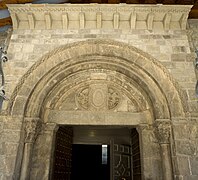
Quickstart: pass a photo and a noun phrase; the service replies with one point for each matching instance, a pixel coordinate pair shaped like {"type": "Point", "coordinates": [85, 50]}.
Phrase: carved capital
{"type": "Point", "coordinates": [32, 128]}
{"type": "Point", "coordinates": [142, 127]}
{"type": "Point", "coordinates": [163, 131]}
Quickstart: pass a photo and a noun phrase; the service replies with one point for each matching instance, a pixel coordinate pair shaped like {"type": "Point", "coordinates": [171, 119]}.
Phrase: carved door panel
{"type": "Point", "coordinates": [122, 162]}
{"type": "Point", "coordinates": [136, 155]}
{"type": "Point", "coordinates": [63, 154]}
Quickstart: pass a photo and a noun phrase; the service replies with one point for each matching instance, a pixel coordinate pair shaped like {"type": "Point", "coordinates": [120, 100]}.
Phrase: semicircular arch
{"type": "Point", "coordinates": [134, 64]}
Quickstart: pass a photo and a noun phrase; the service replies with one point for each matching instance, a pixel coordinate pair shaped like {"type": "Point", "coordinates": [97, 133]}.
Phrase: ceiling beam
{"type": "Point", "coordinates": [5, 21]}
{"type": "Point", "coordinates": [4, 2]}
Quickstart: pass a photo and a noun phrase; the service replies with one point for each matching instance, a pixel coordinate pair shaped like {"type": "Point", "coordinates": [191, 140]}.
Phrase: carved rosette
{"type": "Point", "coordinates": [163, 131]}
{"type": "Point", "coordinates": [98, 97]}
{"type": "Point", "coordinates": [113, 98]}
{"type": "Point", "coordinates": [82, 98]}
{"type": "Point", "coordinates": [32, 128]}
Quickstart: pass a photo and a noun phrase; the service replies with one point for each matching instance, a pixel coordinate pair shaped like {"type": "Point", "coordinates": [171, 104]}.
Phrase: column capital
{"type": "Point", "coordinates": [48, 127]}
{"type": "Point", "coordinates": [163, 131]}
{"type": "Point", "coordinates": [142, 127]}
{"type": "Point", "coordinates": [32, 128]}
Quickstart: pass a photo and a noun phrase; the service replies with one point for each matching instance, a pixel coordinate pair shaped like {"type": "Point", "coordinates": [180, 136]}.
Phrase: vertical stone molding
{"type": "Point", "coordinates": [163, 133]}
{"type": "Point", "coordinates": [150, 153]}
{"type": "Point", "coordinates": [32, 127]}
{"type": "Point", "coordinates": [42, 160]}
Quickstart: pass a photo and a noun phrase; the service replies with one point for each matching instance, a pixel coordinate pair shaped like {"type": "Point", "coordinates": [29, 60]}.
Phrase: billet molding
{"type": "Point", "coordinates": [99, 16]}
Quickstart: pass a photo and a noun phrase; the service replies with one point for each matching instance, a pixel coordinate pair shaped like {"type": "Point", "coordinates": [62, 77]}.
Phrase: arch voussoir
{"type": "Point", "coordinates": [122, 53]}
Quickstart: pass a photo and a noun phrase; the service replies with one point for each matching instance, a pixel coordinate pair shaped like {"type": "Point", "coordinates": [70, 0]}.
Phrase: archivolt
{"type": "Point", "coordinates": [134, 64]}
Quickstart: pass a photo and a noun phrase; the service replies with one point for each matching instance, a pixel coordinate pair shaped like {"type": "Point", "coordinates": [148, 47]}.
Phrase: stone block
{"type": "Point", "coordinates": [10, 148]}
{"type": "Point", "coordinates": [191, 177]}
{"type": "Point", "coordinates": [2, 162]}
{"type": "Point", "coordinates": [1, 126]}
{"type": "Point", "coordinates": [181, 131]}
{"type": "Point", "coordinates": [178, 57]}
{"type": "Point", "coordinates": [12, 126]}
{"type": "Point", "coordinates": [9, 164]}
{"type": "Point", "coordinates": [194, 165]}
{"type": "Point", "coordinates": [193, 106]}
{"type": "Point", "coordinates": [8, 177]}
{"type": "Point", "coordinates": [186, 147]}
{"type": "Point", "coordinates": [11, 136]}
{"type": "Point", "coordinates": [182, 165]}
{"type": "Point", "coordinates": [152, 168]}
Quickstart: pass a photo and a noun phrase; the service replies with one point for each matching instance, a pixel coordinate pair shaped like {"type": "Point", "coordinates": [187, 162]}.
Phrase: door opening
{"type": "Point", "coordinates": [99, 153]}
{"type": "Point", "coordinates": [90, 162]}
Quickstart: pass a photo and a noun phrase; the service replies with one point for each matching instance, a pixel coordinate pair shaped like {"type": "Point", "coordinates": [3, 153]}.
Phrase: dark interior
{"type": "Point", "coordinates": [87, 163]}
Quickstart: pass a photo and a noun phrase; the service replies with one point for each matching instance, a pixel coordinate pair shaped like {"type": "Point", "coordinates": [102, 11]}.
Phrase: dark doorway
{"type": "Point", "coordinates": [79, 153]}
{"type": "Point", "coordinates": [88, 163]}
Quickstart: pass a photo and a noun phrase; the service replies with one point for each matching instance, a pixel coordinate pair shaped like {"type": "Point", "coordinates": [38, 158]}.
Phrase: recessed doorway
{"type": "Point", "coordinates": [96, 152]}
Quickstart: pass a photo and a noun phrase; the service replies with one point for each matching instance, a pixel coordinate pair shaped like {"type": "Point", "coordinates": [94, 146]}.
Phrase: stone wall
{"type": "Point", "coordinates": [171, 48]}
{"type": "Point", "coordinates": [193, 32]}
{"type": "Point", "coordinates": [186, 131]}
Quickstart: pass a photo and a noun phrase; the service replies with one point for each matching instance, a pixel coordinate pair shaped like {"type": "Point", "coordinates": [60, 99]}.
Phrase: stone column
{"type": "Point", "coordinates": [42, 159]}
{"type": "Point", "coordinates": [163, 131]}
{"type": "Point", "coordinates": [32, 126]}
{"type": "Point", "coordinates": [150, 153]}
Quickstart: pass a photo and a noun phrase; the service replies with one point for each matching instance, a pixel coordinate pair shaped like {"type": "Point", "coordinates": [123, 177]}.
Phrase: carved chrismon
{"type": "Point", "coordinates": [98, 97]}
{"type": "Point", "coordinates": [163, 130]}
{"type": "Point", "coordinates": [32, 127]}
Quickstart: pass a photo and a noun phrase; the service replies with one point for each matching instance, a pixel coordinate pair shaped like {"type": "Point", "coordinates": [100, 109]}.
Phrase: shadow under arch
{"type": "Point", "coordinates": [134, 63]}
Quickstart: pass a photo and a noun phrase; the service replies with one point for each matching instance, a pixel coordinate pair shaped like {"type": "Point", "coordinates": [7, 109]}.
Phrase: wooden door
{"type": "Point", "coordinates": [136, 155]}
{"type": "Point", "coordinates": [122, 162]}
{"type": "Point", "coordinates": [63, 154]}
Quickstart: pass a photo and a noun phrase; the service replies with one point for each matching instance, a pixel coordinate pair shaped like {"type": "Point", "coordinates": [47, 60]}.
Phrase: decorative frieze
{"type": "Point", "coordinates": [90, 16]}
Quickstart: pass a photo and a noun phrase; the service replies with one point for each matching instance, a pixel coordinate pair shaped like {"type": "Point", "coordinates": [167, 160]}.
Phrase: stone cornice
{"type": "Point", "coordinates": [99, 16]}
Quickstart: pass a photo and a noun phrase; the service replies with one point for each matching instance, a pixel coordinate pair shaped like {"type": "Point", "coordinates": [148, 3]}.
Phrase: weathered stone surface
{"type": "Point", "coordinates": [194, 165]}
{"type": "Point", "coordinates": [9, 148]}
{"type": "Point", "coordinates": [11, 136]}
{"type": "Point", "coordinates": [186, 147]}
{"type": "Point", "coordinates": [152, 172]}
{"type": "Point", "coordinates": [183, 165]}
{"type": "Point", "coordinates": [170, 48]}
{"type": "Point", "coordinates": [185, 131]}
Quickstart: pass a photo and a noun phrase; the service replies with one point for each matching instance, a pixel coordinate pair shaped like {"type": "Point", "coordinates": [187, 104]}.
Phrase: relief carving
{"type": "Point", "coordinates": [98, 97]}
{"type": "Point", "coordinates": [163, 130]}
{"type": "Point", "coordinates": [82, 98]}
{"type": "Point", "coordinates": [32, 128]}
{"type": "Point", "coordinates": [113, 98]}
